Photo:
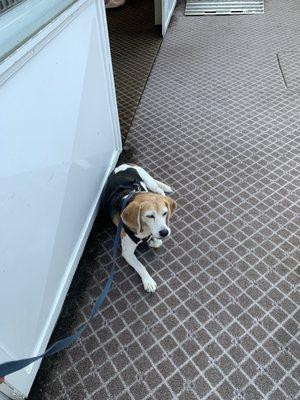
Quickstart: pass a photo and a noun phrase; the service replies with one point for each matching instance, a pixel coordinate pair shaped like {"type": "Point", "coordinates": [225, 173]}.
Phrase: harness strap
{"type": "Point", "coordinates": [133, 237]}
{"type": "Point", "coordinates": [135, 188]}
{"type": "Point", "coordinates": [131, 234]}
{"type": "Point", "coordinates": [13, 366]}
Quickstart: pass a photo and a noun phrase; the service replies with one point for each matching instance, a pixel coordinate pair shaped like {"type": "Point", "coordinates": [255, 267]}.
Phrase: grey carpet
{"type": "Point", "coordinates": [217, 122]}
{"type": "Point", "coordinates": [134, 43]}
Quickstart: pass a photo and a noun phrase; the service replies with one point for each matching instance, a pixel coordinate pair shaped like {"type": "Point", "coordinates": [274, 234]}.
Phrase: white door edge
{"type": "Point", "coordinates": [168, 7]}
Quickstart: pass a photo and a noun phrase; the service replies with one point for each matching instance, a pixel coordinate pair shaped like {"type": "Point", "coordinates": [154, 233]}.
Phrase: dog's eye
{"type": "Point", "coordinates": [165, 213]}
{"type": "Point", "coordinates": [150, 216]}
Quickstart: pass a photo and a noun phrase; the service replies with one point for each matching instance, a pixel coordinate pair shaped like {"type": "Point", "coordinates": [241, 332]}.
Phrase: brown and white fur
{"type": "Point", "coordinates": [147, 214]}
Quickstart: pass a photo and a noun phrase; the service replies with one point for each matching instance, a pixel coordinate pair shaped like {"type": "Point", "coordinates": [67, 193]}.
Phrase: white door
{"type": "Point", "coordinates": [167, 12]}
{"type": "Point", "coordinates": [59, 139]}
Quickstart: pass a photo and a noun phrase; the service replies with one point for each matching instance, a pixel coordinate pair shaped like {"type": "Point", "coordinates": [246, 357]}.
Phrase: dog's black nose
{"type": "Point", "coordinates": [163, 233]}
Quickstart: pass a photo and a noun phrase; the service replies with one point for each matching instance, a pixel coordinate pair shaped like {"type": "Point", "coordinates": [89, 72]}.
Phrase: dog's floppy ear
{"type": "Point", "coordinates": [131, 216]}
{"type": "Point", "coordinates": [171, 204]}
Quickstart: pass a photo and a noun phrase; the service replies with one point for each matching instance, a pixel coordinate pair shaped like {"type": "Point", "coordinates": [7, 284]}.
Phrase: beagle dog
{"type": "Point", "coordinates": [145, 217]}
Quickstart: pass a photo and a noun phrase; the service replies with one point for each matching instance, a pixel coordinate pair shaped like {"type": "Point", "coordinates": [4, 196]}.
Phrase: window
{"type": "Point", "coordinates": [21, 19]}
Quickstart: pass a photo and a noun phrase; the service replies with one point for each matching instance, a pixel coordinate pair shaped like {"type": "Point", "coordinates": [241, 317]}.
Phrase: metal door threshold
{"type": "Point", "coordinates": [224, 7]}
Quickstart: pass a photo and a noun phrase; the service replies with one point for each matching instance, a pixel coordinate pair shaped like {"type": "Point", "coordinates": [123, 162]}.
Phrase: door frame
{"type": "Point", "coordinates": [166, 16]}
{"type": "Point", "coordinates": [160, 14]}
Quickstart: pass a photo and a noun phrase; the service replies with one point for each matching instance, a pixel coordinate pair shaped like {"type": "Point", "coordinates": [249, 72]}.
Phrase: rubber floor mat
{"type": "Point", "coordinates": [223, 7]}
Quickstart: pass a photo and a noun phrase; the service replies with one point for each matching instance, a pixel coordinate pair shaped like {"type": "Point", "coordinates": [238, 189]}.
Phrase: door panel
{"type": "Point", "coordinates": [167, 12]}
{"type": "Point", "coordinates": [59, 139]}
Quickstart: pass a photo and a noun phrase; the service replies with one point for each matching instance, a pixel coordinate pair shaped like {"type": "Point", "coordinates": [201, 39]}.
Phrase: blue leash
{"type": "Point", "coordinates": [13, 366]}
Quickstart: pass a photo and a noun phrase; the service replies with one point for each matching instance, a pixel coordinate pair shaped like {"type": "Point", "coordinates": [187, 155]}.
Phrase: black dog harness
{"type": "Point", "coordinates": [118, 186]}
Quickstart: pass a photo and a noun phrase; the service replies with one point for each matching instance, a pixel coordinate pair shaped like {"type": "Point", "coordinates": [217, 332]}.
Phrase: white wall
{"type": "Point", "coordinates": [59, 138]}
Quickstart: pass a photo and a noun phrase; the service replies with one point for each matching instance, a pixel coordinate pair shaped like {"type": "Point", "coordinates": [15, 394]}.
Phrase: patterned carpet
{"type": "Point", "coordinates": [219, 120]}
{"type": "Point", "coordinates": [134, 41]}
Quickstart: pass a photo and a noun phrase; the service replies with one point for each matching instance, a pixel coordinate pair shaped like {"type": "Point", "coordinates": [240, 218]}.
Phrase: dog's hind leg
{"type": "Point", "coordinates": [164, 187]}
{"type": "Point", "coordinates": [150, 182]}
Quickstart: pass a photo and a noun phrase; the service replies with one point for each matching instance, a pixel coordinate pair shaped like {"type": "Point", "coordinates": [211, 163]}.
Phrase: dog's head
{"type": "Point", "coordinates": [149, 214]}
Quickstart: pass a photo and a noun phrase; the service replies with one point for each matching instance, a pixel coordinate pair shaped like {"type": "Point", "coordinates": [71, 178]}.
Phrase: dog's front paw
{"type": "Point", "coordinates": [149, 284]}
{"type": "Point", "coordinates": [155, 243]}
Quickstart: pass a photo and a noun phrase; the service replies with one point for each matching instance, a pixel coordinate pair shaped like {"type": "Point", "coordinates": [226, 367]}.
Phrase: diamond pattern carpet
{"type": "Point", "coordinates": [218, 123]}
{"type": "Point", "coordinates": [134, 43]}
